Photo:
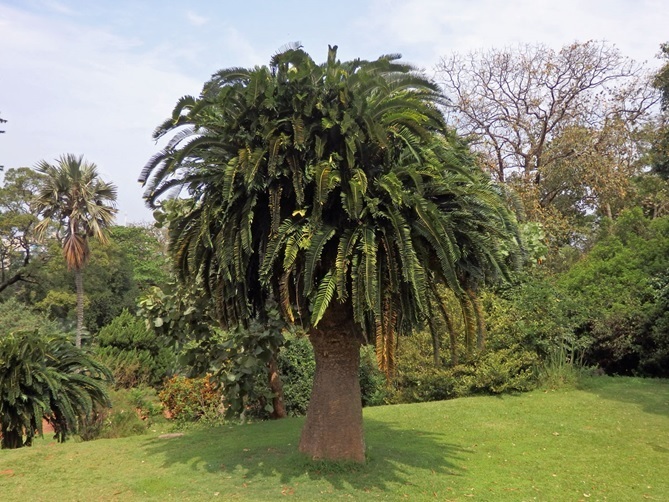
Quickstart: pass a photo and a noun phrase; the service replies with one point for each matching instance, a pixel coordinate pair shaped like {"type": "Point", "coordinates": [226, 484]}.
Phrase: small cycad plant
{"type": "Point", "coordinates": [43, 376]}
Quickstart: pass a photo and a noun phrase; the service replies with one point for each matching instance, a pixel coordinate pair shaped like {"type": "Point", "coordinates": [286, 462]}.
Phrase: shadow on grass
{"type": "Point", "coordinates": [651, 394]}
{"type": "Point", "coordinates": [269, 449]}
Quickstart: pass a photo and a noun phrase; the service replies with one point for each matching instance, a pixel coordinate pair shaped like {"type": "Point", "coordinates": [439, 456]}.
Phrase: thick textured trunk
{"type": "Point", "coordinates": [333, 428]}
{"type": "Point", "coordinates": [79, 284]}
{"type": "Point", "coordinates": [276, 386]}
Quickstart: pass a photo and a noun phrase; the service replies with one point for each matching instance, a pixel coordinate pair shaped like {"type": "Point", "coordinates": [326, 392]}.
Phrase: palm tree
{"type": "Point", "coordinates": [338, 190]}
{"type": "Point", "coordinates": [72, 196]}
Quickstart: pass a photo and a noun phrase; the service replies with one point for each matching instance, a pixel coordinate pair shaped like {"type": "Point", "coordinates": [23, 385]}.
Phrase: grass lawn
{"type": "Point", "coordinates": [608, 440]}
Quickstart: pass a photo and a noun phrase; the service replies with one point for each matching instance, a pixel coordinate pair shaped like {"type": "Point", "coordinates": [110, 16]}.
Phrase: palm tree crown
{"type": "Point", "coordinates": [320, 182]}
{"type": "Point", "coordinates": [73, 195]}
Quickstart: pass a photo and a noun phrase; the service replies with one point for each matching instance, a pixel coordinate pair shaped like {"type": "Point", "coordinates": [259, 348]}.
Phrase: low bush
{"type": "Point", "coordinates": [191, 399]}
{"type": "Point", "coordinates": [133, 411]}
{"type": "Point", "coordinates": [43, 376]}
{"type": "Point", "coordinates": [511, 369]}
{"type": "Point", "coordinates": [373, 383]}
{"type": "Point", "coordinates": [296, 367]}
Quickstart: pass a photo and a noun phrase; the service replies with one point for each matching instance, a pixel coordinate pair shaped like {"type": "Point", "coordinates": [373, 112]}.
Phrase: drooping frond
{"type": "Point", "coordinates": [313, 254]}
{"type": "Point", "coordinates": [324, 296]}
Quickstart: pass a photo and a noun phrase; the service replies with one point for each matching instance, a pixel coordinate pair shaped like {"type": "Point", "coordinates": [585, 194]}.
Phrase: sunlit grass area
{"type": "Point", "coordinates": [607, 440]}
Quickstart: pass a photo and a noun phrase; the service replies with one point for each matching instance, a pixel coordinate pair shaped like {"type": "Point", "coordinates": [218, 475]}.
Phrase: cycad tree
{"type": "Point", "coordinates": [338, 190]}
{"type": "Point", "coordinates": [72, 196]}
{"type": "Point", "coordinates": [43, 376]}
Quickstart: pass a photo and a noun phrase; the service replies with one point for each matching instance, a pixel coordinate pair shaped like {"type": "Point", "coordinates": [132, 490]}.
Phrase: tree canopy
{"type": "Point", "coordinates": [563, 127]}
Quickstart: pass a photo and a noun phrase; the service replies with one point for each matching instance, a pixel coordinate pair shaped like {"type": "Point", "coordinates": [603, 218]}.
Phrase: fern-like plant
{"type": "Point", "coordinates": [44, 376]}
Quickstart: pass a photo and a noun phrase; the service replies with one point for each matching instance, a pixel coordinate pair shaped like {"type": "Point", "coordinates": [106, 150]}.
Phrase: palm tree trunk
{"type": "Point", "coordinates": [276, 386]}
{"type": "Point", "coordinates": [333, 427]}
{"type": "Point", "coordinates": [480, 319]}
{"type": "Point", "coordinates": [79, 284]}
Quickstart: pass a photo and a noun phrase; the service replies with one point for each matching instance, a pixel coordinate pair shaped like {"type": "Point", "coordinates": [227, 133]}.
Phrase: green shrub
{"type": "Point", "coordinates": [43, 376]}
{"type": "Point", "coordinates": [373, 382]}
{"type": "Point", "coordinates": [296, 368]}
{"type": "Point", "coordinates": [510, 369]}
{"type": "Point", "coordinates": [653, 346]}
{"type": "Point", "coordinates": [133, 353]}
{"type": "Point", "coordinates": [618, 289]}
{"type": "Point", "coordinates": [133, 411]}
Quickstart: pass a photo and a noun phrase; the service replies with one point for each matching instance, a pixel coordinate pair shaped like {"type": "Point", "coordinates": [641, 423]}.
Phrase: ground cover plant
{"type": "Point", "coordinates": [603, 441]}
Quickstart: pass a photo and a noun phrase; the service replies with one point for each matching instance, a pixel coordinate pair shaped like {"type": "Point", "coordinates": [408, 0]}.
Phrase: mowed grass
{"type": "Point", "coordinates": [608, 440]}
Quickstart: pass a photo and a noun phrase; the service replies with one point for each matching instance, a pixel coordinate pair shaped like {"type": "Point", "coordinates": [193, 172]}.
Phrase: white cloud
{"type": "Point", "coordinates": [196, 19]}
{"type": "Point", "coordinates": [438, 28]}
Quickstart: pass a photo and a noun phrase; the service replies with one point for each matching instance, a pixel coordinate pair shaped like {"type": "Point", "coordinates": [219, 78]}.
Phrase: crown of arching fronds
{"type": "Point", "coordinates": [46, 376]}
{"type": "Point", "coordinates": [321, 183]}
{"type": "Point", "coordinates": [72, 195]}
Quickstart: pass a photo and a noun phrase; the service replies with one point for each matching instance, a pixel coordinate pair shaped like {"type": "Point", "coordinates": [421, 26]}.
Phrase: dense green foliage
{"type": "Point", "coordinates": [43, 376]}
{"type": "Point", "coordinates": [117, 273]}
{"type": "Point", "coordinates": [618, 287]}
{"type": "Point", "coordinates": [18, 247]}
{"type": "Point", "coordinates": [108, 287]}
{"type": "Point", "coordinates": [134, 354]}
{"type": "Point", "coordinates": [145, 252]}
{"type": "Point", "coordinates": [509, 367]}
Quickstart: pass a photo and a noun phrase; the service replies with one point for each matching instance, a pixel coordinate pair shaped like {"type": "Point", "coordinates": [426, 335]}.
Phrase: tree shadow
{"type": "Point", "coordinates": [269, 449]}
{"type": "Point", "coordinates": [650, 394]}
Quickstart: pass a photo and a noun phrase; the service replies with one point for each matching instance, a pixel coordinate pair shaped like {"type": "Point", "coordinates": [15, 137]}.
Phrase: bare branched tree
{"type": "Point", "coordinates": [512, 103]}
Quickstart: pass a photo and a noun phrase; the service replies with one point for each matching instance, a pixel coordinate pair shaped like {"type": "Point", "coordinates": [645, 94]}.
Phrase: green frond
{"type": "Point", "coordinates": [284, 295]}
{"type": "Point", "coordinates": [440, 236]}
{"type": "Point", "coordinates": [354, 198]}
{"type": "Point", "coordinates": [371, 283]}
{"type": "Point", "coordinates": [347, 243]}
{"type": "Point", "coordinates": [358, 290]}
{"type": "Point", "coordinates": [324, 295]}
{"type": "Point", "coordinates": [313, 255]}
{"type": "Point", "coordinates": [275, 247]}
{"type": "Point", "coordinates": [393, 187]}
{"type": "Point", "coordinates": [386, 332]}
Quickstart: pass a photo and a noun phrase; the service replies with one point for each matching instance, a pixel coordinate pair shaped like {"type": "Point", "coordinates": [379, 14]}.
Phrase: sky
{"type": "Point", "coordinates": [95, 78]}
